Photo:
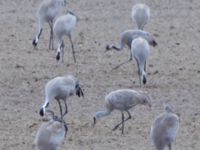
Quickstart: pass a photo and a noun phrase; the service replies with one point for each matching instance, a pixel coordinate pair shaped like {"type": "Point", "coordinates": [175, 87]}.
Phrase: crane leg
{"type": "Point", "coordinates": [73, 52]}
{"type": "Point", "coordinates": [51, 35]}
{"type": "Point", "coordinates": [61, 114]}
{"type": "Point", "coordinates": [125, 62]}
{"type": "Point", "coordinates": [129, 117]}
{"type": "Point", "coordinates": [66, 108]}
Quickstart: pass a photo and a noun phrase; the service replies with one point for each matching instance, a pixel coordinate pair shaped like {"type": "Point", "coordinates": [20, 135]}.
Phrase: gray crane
{"type": "Point", "coordinates": [51, 134]}
{"type": "Point", "coordinates": [140, 51]}
{"type": "Point", "coordinates": [164, 129]}
{"type": "Point", "coordinates": [127, 38]}
{"type": "Point", "coordinates": [122, 100]}
{"type": "Point", "coordinates": [47, 12]}
{"type": "Point", "coordinates": [60, 88]}
{"type": "Point", "coordinates": [63, 27]}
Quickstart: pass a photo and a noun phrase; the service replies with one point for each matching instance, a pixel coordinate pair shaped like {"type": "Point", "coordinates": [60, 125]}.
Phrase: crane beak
{"type": "Point", "coordinates": [107, 48]}
{"type": "Point", "coordinates": [41, 112]}
{"type": "Point", "coordinates": [95, 121]}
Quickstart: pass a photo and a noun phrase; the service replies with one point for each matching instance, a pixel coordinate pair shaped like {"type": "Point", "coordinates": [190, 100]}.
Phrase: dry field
{"type": "Point", "coordinates": [173, 73]}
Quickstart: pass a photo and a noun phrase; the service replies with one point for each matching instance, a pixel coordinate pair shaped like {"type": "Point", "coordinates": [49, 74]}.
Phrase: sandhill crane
{"type": "Point", "coordinates": [140, 15]}
{"type": "Point", "coordinates": [51, 134]}
{"type": "Point", "coordinates": [47, 12]}
{"type": "Point", "coordinates": [122, 100]}
{"type": "Point", "coordinates": [164, 129]}
{"type": "Point", "coordinates": [64, 26]}
{"type": "Point", "coordinates": [60, 88]}
{"type": "Point", "coordinates": [126, 39]}
{"type": "Point", "coordinates": [140, 50]}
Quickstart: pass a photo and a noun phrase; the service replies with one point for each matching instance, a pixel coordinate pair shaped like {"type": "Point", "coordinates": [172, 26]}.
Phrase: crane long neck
{"type": "Point", "coordinates": [119, 46]}
{"type": "Point", "coordinates": [101, 114]}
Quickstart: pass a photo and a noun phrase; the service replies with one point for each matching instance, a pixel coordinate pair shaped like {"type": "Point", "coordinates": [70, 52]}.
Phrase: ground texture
{"type": "Point", "coordinates": [173, 73]}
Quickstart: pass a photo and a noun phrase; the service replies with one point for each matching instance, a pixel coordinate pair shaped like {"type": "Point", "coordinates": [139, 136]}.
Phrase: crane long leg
{"type": "Point", "coordinates": [170, 146]}
{"type": "Point", "coordinates": [66, 108]}
{"type": "Point", "coordinates": [62, 50]}
{"type": "Point", "coordinates": [129, 117]}
{"type": "Point", "coordinates": [122, 123]}
{"type": "Point", "coordinates": [139, 73]}
{"type": "Point", "coordinates": [51, 35]}
{"type": "Point", "coordinates": [73, 52]}
{"type": "Point", "coordinates": [61, 114]}
{"type": "Point", "coordinates": [125, 62]}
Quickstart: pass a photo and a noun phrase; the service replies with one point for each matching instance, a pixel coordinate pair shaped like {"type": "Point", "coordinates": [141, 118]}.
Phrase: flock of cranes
{"type": "Point", "coordinates": [52, 133]}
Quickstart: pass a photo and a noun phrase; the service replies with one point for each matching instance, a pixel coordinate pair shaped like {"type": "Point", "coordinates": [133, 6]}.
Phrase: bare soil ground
{"type": "Point", "coordinates": [173, 73]}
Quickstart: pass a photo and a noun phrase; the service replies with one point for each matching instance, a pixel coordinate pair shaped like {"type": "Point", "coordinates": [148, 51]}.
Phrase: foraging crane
{"type": "Point", "coordinates": [140, 51]}
{"type": "Point", "coordinates": [63, 27]}
{"type": "Point", "coordinates": [47, 12]}
{"type": "Point", "coordinates": [122, 100]}
{"type": "Point", "coordinates": [127, 38]}
{"type": "Point", "coordinates": [51, 134]}
{"type": "Point", "coordinates": [60, 88]}
{"type": "Point", "coordinates": [165, 128]}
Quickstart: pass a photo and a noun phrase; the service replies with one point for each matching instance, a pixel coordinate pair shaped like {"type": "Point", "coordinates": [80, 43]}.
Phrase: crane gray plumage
{"type": "Point", "coordinates": [51, 134]}
{"type": "Point", "coordinates": [140, 15]}
{"type": "Point", "coordinates": [63, 27]}
{"type": "Point", "coordinates": [47, 12]}
{"type": "Point", "coordinates": [122, 100]}
{"type": "Point", "coordinates": [140, 51]}
{"type": "Point", "coordinates": [127, 37]}
{"type": "Point", "coordinates": [60, 88]}
{"type": "Point", "coordinates": [164, 129]}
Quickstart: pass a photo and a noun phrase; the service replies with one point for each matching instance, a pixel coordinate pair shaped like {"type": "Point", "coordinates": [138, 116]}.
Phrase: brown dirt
{"type": "Point", "coordinates": [173, 68]}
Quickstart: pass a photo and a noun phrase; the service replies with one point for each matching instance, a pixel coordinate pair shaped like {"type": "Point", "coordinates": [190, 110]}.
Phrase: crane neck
{"type": "Point", "coordinates": [101, 114]}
